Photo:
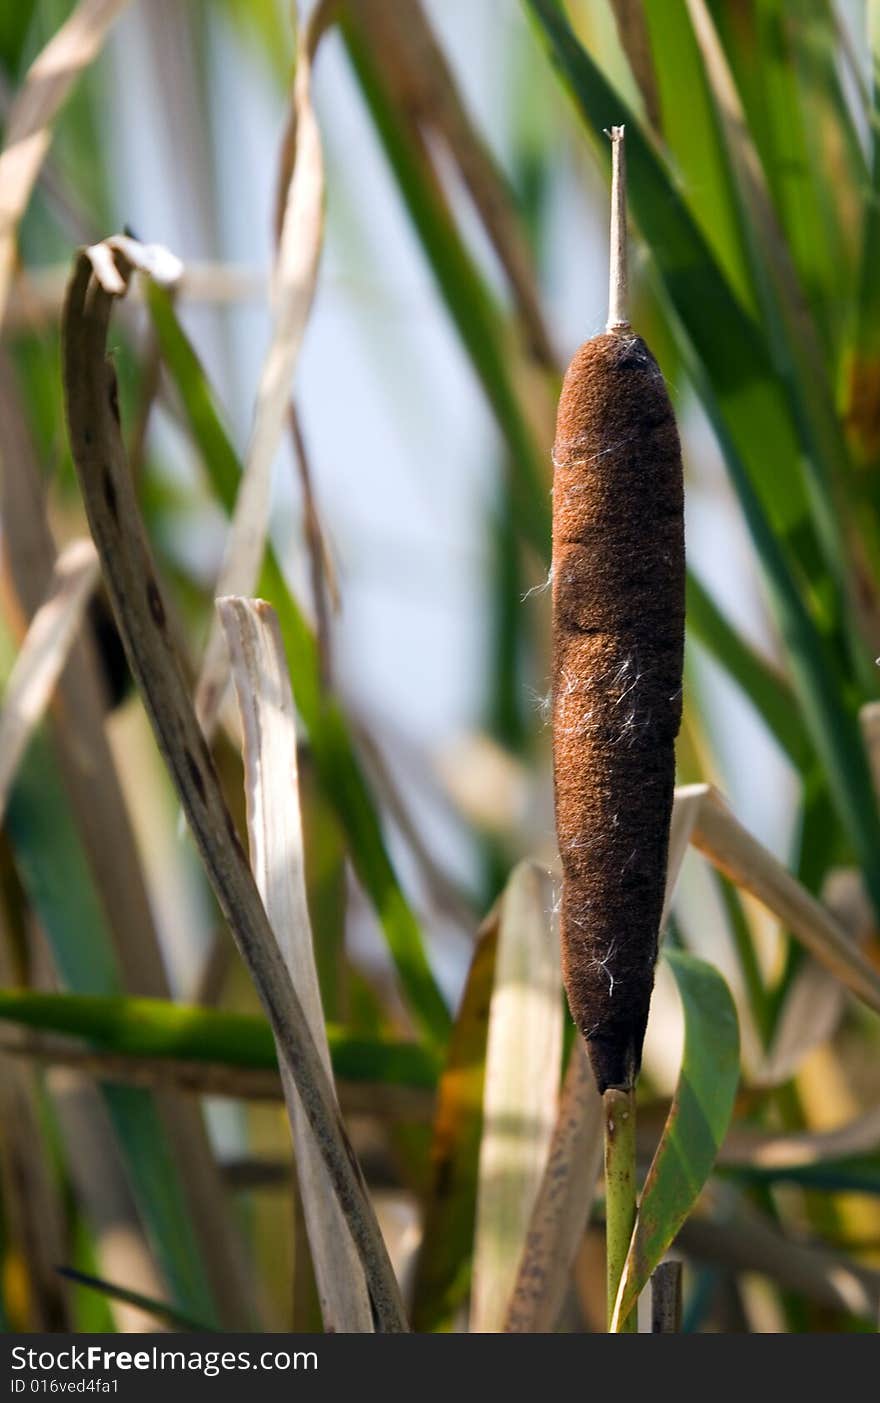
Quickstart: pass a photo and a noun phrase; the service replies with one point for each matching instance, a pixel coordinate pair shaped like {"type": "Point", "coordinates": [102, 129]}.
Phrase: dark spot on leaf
{"type": "Point", "coordinates": [195, 775]}
{"type": "Point", "coordinates": [110, 496]}
{"type": "Point", "coordinates": [157, 608]}
{"type": "Point", "coordinates": [232, 832]}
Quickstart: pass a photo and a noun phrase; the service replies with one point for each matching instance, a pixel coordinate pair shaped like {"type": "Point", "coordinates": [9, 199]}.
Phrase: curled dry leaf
{"type": "Point", "coordinates": [130, 575]}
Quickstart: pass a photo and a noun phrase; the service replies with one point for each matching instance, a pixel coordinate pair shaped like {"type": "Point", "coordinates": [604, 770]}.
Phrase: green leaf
{"type": "Point", "coordinates": [785, 60]}
{"type": "Point", "coordinates": [728, 342]}
{"type": "Point", "coordinates": [763, 408]}
{"type": "Point", "coordinates": [692, 133]}
{"type": "Point", "coordinates": [152, 1028]}
{"type": "Point", "coordinates": [861, 362]}
{"type": "Point", "coordinates": [476, 317]}
{"type": "Point", "coordinates": [697, 1122]}
{"type": "Point", "coordinates": [766, 689]}
{"type": "Point", "coordinates": [333, 748]}
{"type": "Point", "coordinates": [56, 877]}
{"type": "Point", "coordinates": [829, 714]}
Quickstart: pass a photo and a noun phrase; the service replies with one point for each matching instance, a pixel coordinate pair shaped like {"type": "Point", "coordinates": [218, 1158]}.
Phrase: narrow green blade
{"type": "Point", "coordinates": [696, 1126]}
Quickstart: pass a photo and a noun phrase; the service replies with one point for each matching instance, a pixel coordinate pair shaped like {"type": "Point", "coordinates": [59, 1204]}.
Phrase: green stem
{"type": "Point", "coordinates": [620, 1192]}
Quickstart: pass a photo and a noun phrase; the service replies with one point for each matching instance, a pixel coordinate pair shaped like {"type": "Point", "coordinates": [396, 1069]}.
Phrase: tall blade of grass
{"type": "Point", "coordinates": [695, 1128]}
{"type": "Point", "coordinates": [748, 393]}
{"type": "Point", "coordinates": [523, 1051]}
{"type": "Point", "coordinates": [464, 292]}
{"type": "Point", "coordinates": [262, 684]}
{"type": "Point", "coordinates": [692, 134]}
{"type": "Point", "coordinates": [333, 747]}
{"type": "Point", "coordinates": [772, 50]}
{"type": "Point", "coordinates": [745, 396]}
{"type": "Point", "coordinates": [424, 90]}
{"type": "Point", "coordinates": [129, 570]}
{"type": "Point", "coordinates": [443, 1267]}
{"type": "Point", "coordinates": [758, 679]}
{"type": "Point", "coordinates": [860, 366]}
{"type": "Point", "coordinates": [155, 1028]}
{"type": "Point", "coordinates": [43, 654]}
{"type": "Point", "coordinates": [28, 132]}
{"type": "Point", "coordinates": [632, 19]}
{"type": "Point", "coordinates": [791, 331]}
{"type": "Point", "coordinates": [827, 708]}
{"type": "Point", "coordinates": [293, 285]}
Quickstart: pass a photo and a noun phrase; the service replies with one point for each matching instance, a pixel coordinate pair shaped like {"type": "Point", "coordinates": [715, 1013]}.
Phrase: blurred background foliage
{"type": "Point", "coordinates": [463, 261]}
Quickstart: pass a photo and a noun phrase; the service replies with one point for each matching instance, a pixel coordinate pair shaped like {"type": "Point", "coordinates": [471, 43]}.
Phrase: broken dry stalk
{"type": "Point", "coordinates": [666, 1299]}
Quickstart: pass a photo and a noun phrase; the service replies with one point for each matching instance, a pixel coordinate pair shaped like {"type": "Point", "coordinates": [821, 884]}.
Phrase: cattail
{"type": "Point", "coordinates": [618, 637]}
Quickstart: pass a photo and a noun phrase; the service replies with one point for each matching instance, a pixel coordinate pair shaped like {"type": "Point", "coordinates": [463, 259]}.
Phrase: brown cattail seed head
{"type": "Point", "coordinates": [618, 641]}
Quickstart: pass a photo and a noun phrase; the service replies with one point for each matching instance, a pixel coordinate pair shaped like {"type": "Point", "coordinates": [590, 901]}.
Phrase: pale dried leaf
{"type": "Point", "coordinates": [42, 656]}
{"type": "Point", "coordinates": [262, 684]}
{"type": "Point", "coordinates": [733, 850]}
{"type": "Point", "coordinates": [294, 279]}
{"type": "Point", "coordinates": [815, 1004]}
{"type": "Point", "coordinates": [524, 1046]}
{"type": "Point", "coordinates": [28, 129]}
{"type": "Point", "coordinates": [563, 1203]}
{"type": "Point", "coordinates": [629, 16]}
{"type": "Point", "coordinates": [869, 719]}
{"type": "Point", "coordinates": [741, 1239]}
{"type": "Point", "coordinates": [755, 1149]}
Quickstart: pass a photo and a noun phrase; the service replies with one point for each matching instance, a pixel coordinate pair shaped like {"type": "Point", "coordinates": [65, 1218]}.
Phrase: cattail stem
{"type": "Point", "coordinates": [620, 1192]}
{"type": "Point", "coordinates": [617, 278]}
{"type": "Point", "coordinates": [666, 1299]}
